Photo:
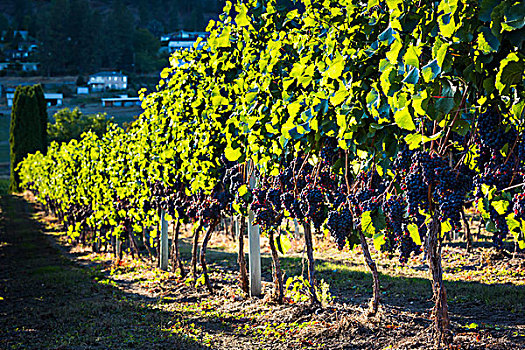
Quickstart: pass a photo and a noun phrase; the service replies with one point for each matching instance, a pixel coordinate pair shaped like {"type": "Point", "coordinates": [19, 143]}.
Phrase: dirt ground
{"type": "Point", "coordinates": [54, 295]}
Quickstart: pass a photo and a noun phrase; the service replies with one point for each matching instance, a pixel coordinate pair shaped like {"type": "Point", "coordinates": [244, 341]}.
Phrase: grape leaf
{"type": "Point", "coordinates": [500, 206]}
{"type": "Point", "coordinates": [232, 154]}
{"type": "Point", "coordinates": [404, 119]}
{"type": "Point", "coordinates": [414, 233]}
{"type": "Point", "coordinates": [510, 72]}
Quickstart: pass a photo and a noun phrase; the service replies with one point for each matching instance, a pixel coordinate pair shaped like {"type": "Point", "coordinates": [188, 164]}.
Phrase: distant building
{"type": "Point", "coordinates": [103, 81]}
{"type": "Point", "coordinates": [29, 66]}
{"type": "Point", "coordinates": [24, 34]}
{"type": "Point", "coordinates": [182, 40]}
{"type": "Point", "coordinates": [51, 99]}
{"type": "Point", "coordinates": [20, 66]}
{"type": "Point", "coordinates": [121, 101]}
{"type": "Point", "coordinates": [82, 90]}
{"type": "Point", "coordinates": [16, 54]}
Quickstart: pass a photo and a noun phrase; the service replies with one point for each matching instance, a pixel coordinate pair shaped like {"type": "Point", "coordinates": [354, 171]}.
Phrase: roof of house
{"type": "Point", "coordinates": [107, 74]}
{"type": "Point", "coordinates": [46, 95]}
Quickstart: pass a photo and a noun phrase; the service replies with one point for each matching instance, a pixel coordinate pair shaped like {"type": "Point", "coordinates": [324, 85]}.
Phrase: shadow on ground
{"type": "Point", "coordinates": [51, 302]}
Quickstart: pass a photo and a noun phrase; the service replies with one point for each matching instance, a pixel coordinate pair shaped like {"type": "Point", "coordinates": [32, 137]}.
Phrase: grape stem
{"type": "Point", "coordinates": [374, 303]}
{"type": "Point", "coordinates": [442, 145]}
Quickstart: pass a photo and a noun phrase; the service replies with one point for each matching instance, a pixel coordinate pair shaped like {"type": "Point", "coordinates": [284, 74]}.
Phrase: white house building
{"type": "Point", "coordinates": [103, 81]}
{"type": "Point", "coordinates": [82, 90]}
{"type": "Point", "coordinates": [51, 99]}
{"type": "Point", "coordinates": [121, 101]}
{"type": "Point", "coordinates": [182, 40]}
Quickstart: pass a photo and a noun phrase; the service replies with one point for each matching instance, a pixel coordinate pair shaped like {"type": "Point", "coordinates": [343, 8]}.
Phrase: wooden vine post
{"type": "Point", "coordinates": [164, 246]}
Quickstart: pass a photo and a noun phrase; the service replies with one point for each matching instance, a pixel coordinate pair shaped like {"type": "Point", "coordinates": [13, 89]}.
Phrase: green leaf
{"type": "Point", "coordinates": [512, 223]}
{"type": "Point", "coordinates": [372, 3]}
{"type": "Point", "coordinates": [294, 108]}
{"type": "Point", "coordinates": [393, 54]}
{"type": "Point", "coordinates": [412, 76]}
{"type": "Point", "coordinates": [387, 36]}
{"type": "Point", "coordinates": [339, 97]}
{"type": "Point", "coordinates": [500, 206]}
{"type": "Point", "coordinates": [404, 119]}
{"type": "Point", "coordinates": [414, 233]}
{"type": "Point", "coordinates": [379, 240]}
{"type": "Point", "coordinates": [232, 154]}
{"type": "Point", "coordinates": [200, 281]}
{"type": "Point", "coordinates": [224, 39]}
{"type": "Point", "coordinates": [379, 220]}
{"type": "Point", "coordinates": [411, 56]}
{"type": "Point", "coordinates": [485, 10]}
{"type": "Point", "coordinates": [445, 227]}
{"type": "Point", "coordinates": [431, 71]}
{"type": "Point", "coordinates": [486, 41]}
{"type": "Point", "coordinates": [514, 17]}
{"type": "Point", "coordinates": [283, 243]}
{"type": "Point", "coordinates": [243, 189]}
{"type": "Point", "coordinates": [490, 226]}
{"type": "Point", "coordinates": [242, 19]}
{"type": "Point", "coordinates": [366, 224]}
{"type": "Point", "coordinates": [445, 102]}
{"type": "Point", "coordinates": [335, 68]}
{"type": "Point", "coordinates": [510, 72]}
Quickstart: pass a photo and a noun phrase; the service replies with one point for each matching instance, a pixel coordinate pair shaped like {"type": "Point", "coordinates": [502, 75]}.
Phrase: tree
{"type": "Point", "coordinates": [121, 25]}
{"type": "Point", "coordinates": [55, 49]}
{"type": "Point", "coordinates": [42, 111]}
{"type": "Point", "coordinates": [22, 8]}
{"type": "Point", "coordinates": [26, 134]}
{"type": "Point", "coordinates": [146, 48]}
{"type": "Point", "coordinates": [4, 23]}
{"type": "Point", "coordinates": [70, 124]}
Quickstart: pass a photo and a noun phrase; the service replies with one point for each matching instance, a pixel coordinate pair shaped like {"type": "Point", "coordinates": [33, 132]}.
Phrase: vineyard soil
{"type": "Point", "coordinates": [58, 296]}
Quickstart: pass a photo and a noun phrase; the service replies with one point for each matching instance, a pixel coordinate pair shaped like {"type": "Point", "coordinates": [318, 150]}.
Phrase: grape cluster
{"type": "Point", "coordinates": [292, 205]}
{"type": "Point", "coordinates": [265, 215]}
{"type": "Point", "coordinates": [312, 205]}
{"type": "Point", "coordinates": [335, 198]}
{"type": "Point", "coordinates": [407, 246]}
{"type": "Point", "coordinates": [403, 160]}
{"type": "Point", "coordinates": [501, 225]}
{"type": "Point", "coordinates": [330, 151]}
{"type": "Point", "coordinates": [394, 209]}
{"type": "Point", "coordinates": [233, 179]}
{"type": "Point", "coordinates": [273, 197]}
{"type": "Point", "coordinates": [497, 172]}
{"type": "Point", "coordinates": [519, 206]}
{"type": "Point", "coordinates": [340, 224]}
{"type": "Point", "coordinates": [416, 192]}
{"type": "Point", "coordinates": [448, 187]}
{"type": "Point", "coordinates": [492, 133]}
{"type": "Point", "coordinates": [520, 150]}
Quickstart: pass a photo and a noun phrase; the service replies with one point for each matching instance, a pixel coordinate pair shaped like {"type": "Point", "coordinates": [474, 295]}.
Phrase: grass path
{"type": "Point", "coordinates": [54, 295]}
{"type": "Point", "coordinates": [48, 302]}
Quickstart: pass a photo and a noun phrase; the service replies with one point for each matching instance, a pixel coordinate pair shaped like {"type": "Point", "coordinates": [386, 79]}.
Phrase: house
{"type": "Point", "coordinates": [52, 99]}
{"type": "Point", "coordinates": [29, 66]}
{"type": "Point", "coordinates": [121, 101]}
{"type": "Point", "coordinates": [82, 90]}
{"type": "Point", "coordinates": [103, 81]}
{"type": "Point", "coordinates": [182, 40]}
{"type": "Point", "coordinates": [24, 34]}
